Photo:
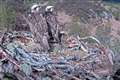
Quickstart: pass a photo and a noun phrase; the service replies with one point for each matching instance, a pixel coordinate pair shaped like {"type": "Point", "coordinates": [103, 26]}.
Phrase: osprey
{"type": "Point", "coordinates": [49, 9]}
{"type": "Point", "coordinates": [35, 8]}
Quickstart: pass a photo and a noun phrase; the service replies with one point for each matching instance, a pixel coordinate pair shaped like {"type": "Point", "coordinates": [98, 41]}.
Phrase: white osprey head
{"type": "Point", "coordinates": [35, 8]}
{"type": "Point", "coordinates": [49, 8]}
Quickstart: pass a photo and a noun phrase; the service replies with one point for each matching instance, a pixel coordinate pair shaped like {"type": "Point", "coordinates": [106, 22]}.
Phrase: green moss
{"type": "Point", "coordinates": [114, 8]}
{"type": "Point", "coordinates": [103, 34]}
{"type": "Point", "coordinates": [7, 15]}
{"type": "Point", "coordinates": [78, 28]}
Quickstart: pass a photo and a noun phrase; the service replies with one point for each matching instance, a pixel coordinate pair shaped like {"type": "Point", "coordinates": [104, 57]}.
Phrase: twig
{"type": "Point", "coordinates": [9, 57]}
